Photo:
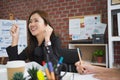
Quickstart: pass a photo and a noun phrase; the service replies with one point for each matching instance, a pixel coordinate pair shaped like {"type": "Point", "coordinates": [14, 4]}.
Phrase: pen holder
{"type": "Point", "coordinates": [58, 70]}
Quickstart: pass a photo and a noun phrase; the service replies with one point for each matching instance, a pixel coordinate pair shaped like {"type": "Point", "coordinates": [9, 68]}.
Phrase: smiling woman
{"type": "Point", "coordinates": [43, 44]}
{"type": "Point", "coordinates": [40, 32]}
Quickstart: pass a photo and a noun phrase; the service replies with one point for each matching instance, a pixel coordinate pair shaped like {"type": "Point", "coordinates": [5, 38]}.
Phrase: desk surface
{"type": "Point", "coordinates": [76, 76]}
{"type": "Point", "coordinates": [68, 76]}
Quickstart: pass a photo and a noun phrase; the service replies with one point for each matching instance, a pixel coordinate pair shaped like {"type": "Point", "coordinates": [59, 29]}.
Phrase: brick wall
{"type": "Point", "coordinates": [59, 12]}
{"type": "Point", "coordinates": [117, 52]}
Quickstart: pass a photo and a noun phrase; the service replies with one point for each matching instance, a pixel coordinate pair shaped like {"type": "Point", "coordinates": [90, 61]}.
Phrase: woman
{"type": "Point", "coordinates": [41, 41]}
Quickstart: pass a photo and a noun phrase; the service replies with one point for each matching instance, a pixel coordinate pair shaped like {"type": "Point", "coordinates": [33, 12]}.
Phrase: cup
{"type": "Point", "coordinates": [13, 67]}
{"type": "Point", "coordinates": [58, 70]}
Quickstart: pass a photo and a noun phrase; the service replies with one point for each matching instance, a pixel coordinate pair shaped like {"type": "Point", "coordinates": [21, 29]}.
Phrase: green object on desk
{"type": "Point", "coordinates": [33, 73]}
{"type": "Point", "coordinates": [18, 76]}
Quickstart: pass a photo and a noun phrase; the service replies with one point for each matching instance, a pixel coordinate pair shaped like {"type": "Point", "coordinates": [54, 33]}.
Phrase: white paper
{"type": "Point", "coordinates": [83, 27]}
{"type": "Point", "coordinates": [76, 76]}
{"type": "Point", "coordinates": [100, 28]}
{"type": "Point", "coordinates": [5, 37]}
{"type": "Point", "coordinates": [74, 26]}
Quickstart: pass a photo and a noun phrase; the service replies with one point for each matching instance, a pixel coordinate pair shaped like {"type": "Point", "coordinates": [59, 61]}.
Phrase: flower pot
{"type": "Point", "coordinates": [100, 59]}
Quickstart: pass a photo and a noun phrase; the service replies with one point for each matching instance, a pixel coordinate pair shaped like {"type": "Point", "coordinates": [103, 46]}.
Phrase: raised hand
{"type": "Point", "coordinates": [14, 31]}
{"type": "Point", "coordinates": [48, 32]}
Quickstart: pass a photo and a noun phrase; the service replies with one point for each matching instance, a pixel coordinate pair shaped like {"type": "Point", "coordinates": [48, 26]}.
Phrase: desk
{"type": "Point", "coordinates": [68, 76]}
{"type": "Point", "coordinates": [76, 76]}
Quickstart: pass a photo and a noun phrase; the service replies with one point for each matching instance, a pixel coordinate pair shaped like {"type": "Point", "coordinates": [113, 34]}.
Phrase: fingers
{"type": "Point", "coordinates": [80, 68]}
{"type": "Point", "coordinates": [48, 28]}
{"type": "Point", "coordinates": [48, 32]}
{"type": "Point", "coordinates": [77, 63]}
{"type": "Point", "coordinates": [83, 67]}
{"type": "Point", "coordinates": [14, 29]}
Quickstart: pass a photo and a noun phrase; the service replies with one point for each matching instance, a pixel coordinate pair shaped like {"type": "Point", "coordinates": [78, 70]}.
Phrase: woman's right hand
{"type": "Point", "coordinates": [15, 34]}
{"type": "Point", "coordinates": [85, 68]}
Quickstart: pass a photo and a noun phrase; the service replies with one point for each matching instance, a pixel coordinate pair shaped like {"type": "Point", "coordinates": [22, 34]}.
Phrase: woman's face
{"type": "Point", "coordinates": [36, 25]}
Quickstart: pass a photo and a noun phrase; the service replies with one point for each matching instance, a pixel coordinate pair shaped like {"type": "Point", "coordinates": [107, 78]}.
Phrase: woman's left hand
{"type": "Point", "coordinates": [48, 32]}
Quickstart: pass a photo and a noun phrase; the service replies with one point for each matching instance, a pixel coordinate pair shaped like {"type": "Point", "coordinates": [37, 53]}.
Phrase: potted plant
{"type": "Point", "coordinates": [99, 55]}
{"type": "Point", "coordinates": [18, 76]}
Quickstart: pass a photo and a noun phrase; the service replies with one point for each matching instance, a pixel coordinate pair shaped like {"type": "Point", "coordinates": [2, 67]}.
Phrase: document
{"type": "Point", "coordinates": [100, 28]}
{"type": "Point", "coordinates": [76, 76]}
{"type": "Point", "coordinates": [6, 39]}
{"type": "Point", "coordinates": [83, 27]}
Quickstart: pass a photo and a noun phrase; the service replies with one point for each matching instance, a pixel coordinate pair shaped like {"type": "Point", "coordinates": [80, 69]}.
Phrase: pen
{"type": "Point", "coordinates": [79, 55]}
{"type": "Point", "coordinates": [46, 70]}
{"type": "Point", "coordinates": [58, 65]}
{"type": "Point", "coordinates": [57, 68]}
{"type": "Point", "coordinates": [60, 61]}
{"type": "Point", "coordinates": [51, 70]}
{"type": "Point", "coordinates": [83, 69]}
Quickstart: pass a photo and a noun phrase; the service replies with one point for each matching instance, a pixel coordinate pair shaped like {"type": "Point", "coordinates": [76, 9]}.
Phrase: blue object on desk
{"type": "Point", "coordinates": [60, 61]}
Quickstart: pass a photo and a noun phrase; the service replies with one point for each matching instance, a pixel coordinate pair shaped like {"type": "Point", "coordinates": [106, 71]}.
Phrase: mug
{"type": "Point", "coordinates": [13, 67]}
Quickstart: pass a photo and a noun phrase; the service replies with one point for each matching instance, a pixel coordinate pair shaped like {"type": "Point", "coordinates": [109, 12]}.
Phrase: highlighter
{"type": "Point", "coordinates": [60, 61]}
{"type": "Point", "coordinates": [58, 68]}
{"type": "Point", "coordinates": [47, 71]}
{"type": "Point", "coordinates": [51, 70]}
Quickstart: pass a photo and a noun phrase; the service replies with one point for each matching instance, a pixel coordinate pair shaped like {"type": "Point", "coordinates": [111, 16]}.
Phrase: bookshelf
{"type": "Point", "coordinates": [88, 49]}
{"type": "Point", "coordinates": [113, 10]}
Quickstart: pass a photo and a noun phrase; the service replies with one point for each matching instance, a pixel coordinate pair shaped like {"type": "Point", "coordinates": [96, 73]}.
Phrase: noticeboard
{"type": "Point", "coordinates": [82, 27]}
{"type": "Point", "coordinates": [5, 37]}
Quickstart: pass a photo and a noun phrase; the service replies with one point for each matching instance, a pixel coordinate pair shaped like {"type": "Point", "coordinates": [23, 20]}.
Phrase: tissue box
{"type": "Point", "coordinates": [98, 38]}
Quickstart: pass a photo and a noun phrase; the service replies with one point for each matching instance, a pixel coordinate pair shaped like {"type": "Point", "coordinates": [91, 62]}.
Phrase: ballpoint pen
{"type": "Point", "coordinates": [79, 55]}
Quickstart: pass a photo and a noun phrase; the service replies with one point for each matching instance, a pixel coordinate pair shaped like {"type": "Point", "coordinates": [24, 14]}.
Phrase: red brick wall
{"type": "Point", "coordinates": [117, 52]}
{"type": "Point", "coordinates": [59, 11]}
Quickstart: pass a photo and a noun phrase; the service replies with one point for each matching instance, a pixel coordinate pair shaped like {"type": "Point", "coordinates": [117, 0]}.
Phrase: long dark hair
{"type": "Point", "coordinates": [32, 41]}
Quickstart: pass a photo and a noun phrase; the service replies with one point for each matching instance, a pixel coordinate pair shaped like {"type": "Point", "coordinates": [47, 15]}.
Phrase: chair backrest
{"type": "Point", "coordinates": [3, 60]}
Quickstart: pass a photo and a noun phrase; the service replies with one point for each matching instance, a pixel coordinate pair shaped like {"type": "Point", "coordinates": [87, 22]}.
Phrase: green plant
{"type": "Point", "coordinates": [33, 73]}
{"type": "Point", "coordinates": [18, 76]}
{"type": "Point", "coordinates": [98, 53]}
